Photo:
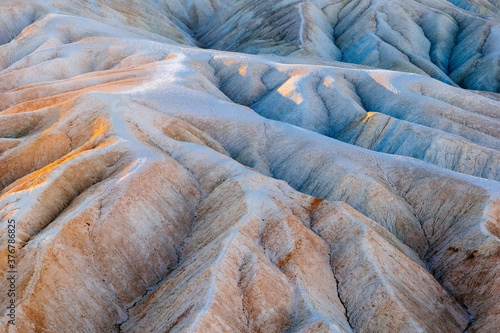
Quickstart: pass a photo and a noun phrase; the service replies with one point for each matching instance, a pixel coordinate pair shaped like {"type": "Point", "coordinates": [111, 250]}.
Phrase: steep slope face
{"type": "Point", "coordinates": [161, 187]}
{"type": "Point", "coordinates": [393, 113]}
{"type": "Point", "coordinates": [482, 7]}
{"type": "Point", "coordinates": [424, 37]}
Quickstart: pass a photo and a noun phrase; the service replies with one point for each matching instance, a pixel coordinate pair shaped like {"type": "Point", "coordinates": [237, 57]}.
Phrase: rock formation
{"type": "Point", "coordinates": [251, 166]}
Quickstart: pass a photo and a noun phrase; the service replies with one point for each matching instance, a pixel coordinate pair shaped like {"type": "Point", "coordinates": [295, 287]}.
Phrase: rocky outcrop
{"type": "Point", "coordinates": [424, 37]}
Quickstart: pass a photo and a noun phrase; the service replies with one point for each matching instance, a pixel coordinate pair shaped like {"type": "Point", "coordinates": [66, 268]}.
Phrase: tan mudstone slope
{"type": "Point", "coordinates": [161, 183]}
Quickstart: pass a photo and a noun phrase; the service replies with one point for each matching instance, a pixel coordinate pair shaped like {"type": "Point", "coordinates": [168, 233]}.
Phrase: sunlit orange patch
{"type": "Point", "coordinates": [60, 144]}
{"type": "Point", "coordinates": [229, 62]}
{"type": "Point", "coordinates": [369, 115]}
{"type": "Point", "coordinates": [243, 70]}
{"type": "Point", "coordinates": [101, 127]}
{"type": "Point", "coordinates": [328, 82]}
{"type": "Point", "coordinates": [363, 121]}
{"type": "Point", "coordinates": [289, 90]}
{"type": "Point", "coordinates": [171, 56]}
{"type": "Point", "coordinates": [384, 81]}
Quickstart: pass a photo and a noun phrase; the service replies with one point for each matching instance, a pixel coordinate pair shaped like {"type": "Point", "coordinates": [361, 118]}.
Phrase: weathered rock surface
{"type": "Point", "coordinates": [482, 7]}
{"type": "Point", "coordinates": [162, 187]}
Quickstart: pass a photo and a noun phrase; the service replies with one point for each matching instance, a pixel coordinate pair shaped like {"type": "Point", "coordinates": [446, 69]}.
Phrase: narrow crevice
{"type": "Point", "coordinates": [471, 321]}
{"type": "Point", "coordinates": [117, 299]}
{"type": "Point", "coordinates": [241, 288]}
{"type": "Point", "coordinates": [342, 301]}
{"type": "Point", "coordinates": [396, 191]}
{"type": "Point", "coordinates": [180, 254]}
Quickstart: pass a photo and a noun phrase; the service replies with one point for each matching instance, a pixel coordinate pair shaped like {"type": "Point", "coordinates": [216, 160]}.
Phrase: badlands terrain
{"type": "Point", "coordinates": [250, 165]}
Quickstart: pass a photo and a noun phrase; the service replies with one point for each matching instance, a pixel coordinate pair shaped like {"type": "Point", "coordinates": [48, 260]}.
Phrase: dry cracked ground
{"type": "Point", "coordinates": [251, 165]}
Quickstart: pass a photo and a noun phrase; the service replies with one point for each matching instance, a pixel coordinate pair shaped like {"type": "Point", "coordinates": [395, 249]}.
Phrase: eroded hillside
{"type": "Point", "coordinates": [251, 166]}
